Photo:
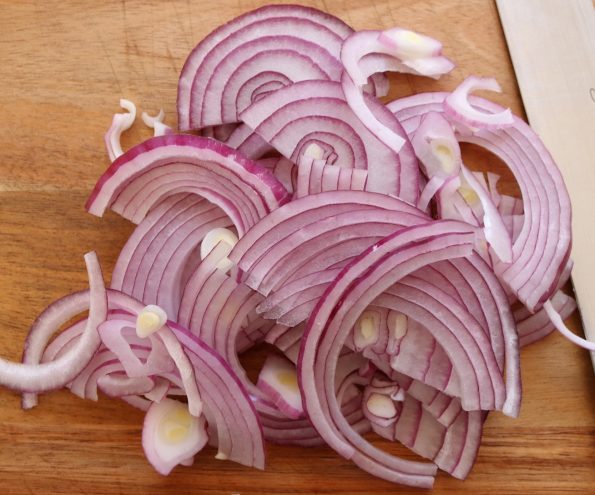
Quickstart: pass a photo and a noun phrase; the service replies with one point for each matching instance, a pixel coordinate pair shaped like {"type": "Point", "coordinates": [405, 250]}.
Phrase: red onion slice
{"type": "Point", "coordinates": [356, 47]}
{"type": "Point", "coordinates": [152, 266]}
{"type": "Point", "coordinates": [480, 378]}
{"type": "Point", "coordinates": [463, 279]}
{"type": "Point", "coordinates": [443, 407]}
{"type": "Point", "coordinates": [458, 107]}
{"type": "Point", "coordinates": [102, 363]}
{"type": "Point", "coordinates": [120, 123]}
{"type": "Point", "coordinates": [533, 327]}
{"type": "Point", "coordinates": [367, 52]}
{"type": "Point", "coordinates": [114, 337]}
{"type": "Point", "coordinates": [156, 123]}
{"type": "Point", "coordinates": [303, 23]}
{"type": "Point", "coordinates": [436, 145]}
{"type": "Point", "coordinates": [453, 448]}
{"type": "Point", "coordinates": [257, 189]}
{"type": "Point", "coordinates": [116, 385]}
{"type": "Point", "coordinates": [558, 322]}
{"type": "Point", "coordinates": [227, 404]}
{"type": "Point", "coordinates": [278, 381]}
{"type": "Point", "coordinates": [494, 229]}
{"type": "Point", "coordinates": [258, 66]}
{"type": "Point", "coordinates": [216, 309]}
{"type": "Point", "coordinates": [309, 112]}
{"type": "Point", "coordinates": [254, 249]}
{"type": "Point", "coordinates": [250, 144]}
{"type": "Point", "coordinates": [171, 435]}
{"type": "Point", "coordinates": [542, 248]}
{"type": "Point", "coordinates": [33, 377]}
{"type": "Point", "coordinates": [327, 330]}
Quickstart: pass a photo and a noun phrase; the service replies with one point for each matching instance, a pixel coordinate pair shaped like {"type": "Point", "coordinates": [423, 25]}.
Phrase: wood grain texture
{"type": "Point", "coordinates": [64, 66]}
{"type": "Point", "coordinates": [556, 75]}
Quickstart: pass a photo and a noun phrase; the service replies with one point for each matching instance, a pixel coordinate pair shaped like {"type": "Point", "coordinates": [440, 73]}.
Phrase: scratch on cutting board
{"type": "Point", "coordinates": [132, 49]}
{"type": "Point", "coordinates": [110, 63]}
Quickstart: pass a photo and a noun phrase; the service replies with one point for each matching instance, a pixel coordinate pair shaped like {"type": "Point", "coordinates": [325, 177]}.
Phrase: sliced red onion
{"type": "Point", "coordinates": [558, 322]}
{"type": "Point", "coordinates": [533, 327]}
{"type": "Point", "coordinates": [278, 380]}
{"type": "Point", "coordinates": [395, 322]}
{"type": "Point", "coordinates": [286, 172]}
{"type": "Point", "coordinates": [257, 66]}
{"type": "Point", "coordinates": [218, 319]}
{"type": "Point", "coordinates": [117, 385]}
{"type": "Point", "coordinates": [315, 176]}
{"type": "Point", "coordinates": [494, 229]}
{"type": "Point", "coordinates": [367, 52]}
{"type": "Point", "coordinates": [249, 450]}
{"type": "Point", "coordinates": [456, 201]}
{"type": "Point", "coordinates": [481, 386]}
{"type": "Point", "coordinates": [216, 307]}
{"type": "Point", "coordinates": [379, 408]}
{"type": "Point", "coordinates": [372, 64]}
{"type": "Point", "coordinates": [436, 146]}
{"type": "Point", "coordinates": [461, 444]}
{"type": "Point", "coordinates": [492, 186]}
{"type": "Point", "coordinates": [428, 192]}
{"type": "Point", "coordinates": [453, 448]}
{"type": "Point", "coordinates": [432, 365]}
{"type": "Point", "coordinates": [458, 107]}
{"type": "Point", "coordinates": [116, 335]}
{"type": "Point", "coordinates": [500, 326]}
{"type": "Point", "coordinates": [255, 191]}
{"type": "Point", "coordinates": [254, 255]}
{"type": "Point", "coordinates": [85, 385]}
{"type": "Point", "coordinates": [357, 102]}
{"type": "Point", "coordinates": [63, 340]}
{"type": "Point", "coordinates": [156, 123]}
{"type": "Point", "coordinates": [293, 302]}
{"type": "Point", "coordinates": [224, 131]}
{"type": "Point", "coordinates": [160, 389]}
{"type": "Point", "coordinates": [284, 337]}
{"type": "Point", "coordinates": [542, 248]}
{"type": "Point", "coordinates": [409, 45]}
{"type": "Point", "coordinates": [356, 47]}
{"type": "Point", "coordinates": [185, 369]}
{"type": "Point", "coordinates": [32, 377]}
{"type": "Point", "coordinates": [227, 404]}
{"type": "Point", "coordinates": [152, 265]}
{"type": "Point", "coordinates": [301, 431]}
{"type": "Point", "coordinates": [45, 326]}
{"type": "Point", "coordinates": [120, 123]}
{"type": "Point", "coordinates": [509, 205]}
{"type": "Point", "coordinates": [171, 435]}
{"type": "Point", "coordinates": [514, 225]}
{"type": "Point", "coordinates": [224, 387]}
{"type": "Point", "coordinates": [302, 24]}
{"type": "Point", "coordinates": [309, 112]}
{"type": "Point", "coordinates": [250, 144]}
{"type": "Point", "coordinates": [443, 407]}
{"type": "Point", "coordinates": [327, 329]}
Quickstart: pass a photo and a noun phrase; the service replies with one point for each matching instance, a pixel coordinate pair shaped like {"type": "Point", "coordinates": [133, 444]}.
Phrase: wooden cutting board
{"type": "Point", "coordinates": [64, 66]}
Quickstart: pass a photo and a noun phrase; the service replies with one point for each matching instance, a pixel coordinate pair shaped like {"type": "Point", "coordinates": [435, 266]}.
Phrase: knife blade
{"type": "Point", "coordinates": [552, 46]}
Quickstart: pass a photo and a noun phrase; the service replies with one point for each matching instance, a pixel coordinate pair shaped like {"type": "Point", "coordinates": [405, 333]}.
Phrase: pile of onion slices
{"type": "Point", "coordinates": [393, 285]}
